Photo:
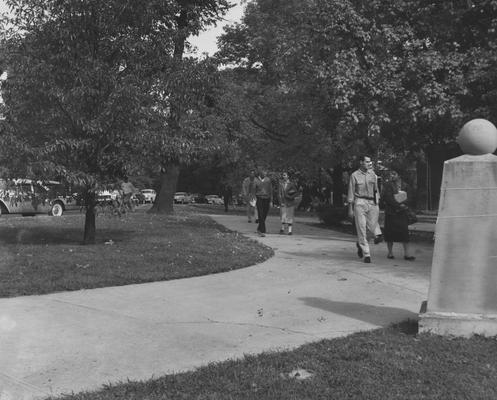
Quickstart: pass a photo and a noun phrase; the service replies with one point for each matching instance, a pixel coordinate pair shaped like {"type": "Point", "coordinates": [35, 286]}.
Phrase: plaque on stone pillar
{"type": "Point", "coordinates": [462, 298]}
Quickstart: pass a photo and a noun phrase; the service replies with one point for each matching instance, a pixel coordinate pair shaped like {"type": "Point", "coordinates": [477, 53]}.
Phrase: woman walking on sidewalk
{"type": "Point", "coordinates": [289, 197]}
{"type": "Point", "coordinates": [396, 221]}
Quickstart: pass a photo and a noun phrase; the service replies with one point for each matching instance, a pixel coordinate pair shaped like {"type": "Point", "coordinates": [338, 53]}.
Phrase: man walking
{"type": "Point", "coordinates": [248, 192]}
{"type": "Point", "coordinates": [264, 195]}
{"type": "Point", "coordinates": [363, 198]}
{"type": "Point", "coordinates": [227, 194]}
{"type": "Point", "coordinates": [128, 189]}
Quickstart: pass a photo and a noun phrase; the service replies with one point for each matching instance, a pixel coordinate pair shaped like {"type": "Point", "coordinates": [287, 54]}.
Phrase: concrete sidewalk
{"type": "Point", "coordinates": [314, 287]}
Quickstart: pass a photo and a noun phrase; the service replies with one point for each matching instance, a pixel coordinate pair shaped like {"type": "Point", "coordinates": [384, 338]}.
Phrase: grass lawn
{"type": "Point", "coordinates": [390, 363]}
{"type": "Point", "coordinates": [42, 254]}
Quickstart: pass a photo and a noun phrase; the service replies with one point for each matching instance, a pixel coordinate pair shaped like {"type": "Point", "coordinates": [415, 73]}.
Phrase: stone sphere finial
{"type": "Point", "coordinates": [478, 137]}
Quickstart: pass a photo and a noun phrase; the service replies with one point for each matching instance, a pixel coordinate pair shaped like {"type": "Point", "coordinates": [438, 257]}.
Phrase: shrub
{"type": "Point", "coordinates": [330, 215]}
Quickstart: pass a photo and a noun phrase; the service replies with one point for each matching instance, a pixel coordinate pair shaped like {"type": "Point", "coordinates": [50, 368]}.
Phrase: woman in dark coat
{"type": "Point", "coordinates": [396, 221]}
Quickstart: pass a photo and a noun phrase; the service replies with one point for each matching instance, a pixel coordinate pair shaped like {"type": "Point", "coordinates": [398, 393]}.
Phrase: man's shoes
{"type": "Point", "coordinates": [390, 256]}
{"type": "Point", "coordinates": [359, 250]}
{"type": "Point", "coordinates": [290, 233]}
{"type": "Point", "coordinates": [409, 258]}
{"type": "Point", "coordinates": [367, 260]}
{"type": "Point", "coordinates": [261, 234]}
{"type": "Point", "coordinates": [282, 232]}
{"type": "Point", "coordinates": [378, 239]}
{"type": "Point", "coordinates": [256, 221]}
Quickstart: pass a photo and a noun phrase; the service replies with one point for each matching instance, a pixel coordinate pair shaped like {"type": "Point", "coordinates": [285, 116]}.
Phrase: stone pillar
{"type": "Point", "coordinates": [462, 298]}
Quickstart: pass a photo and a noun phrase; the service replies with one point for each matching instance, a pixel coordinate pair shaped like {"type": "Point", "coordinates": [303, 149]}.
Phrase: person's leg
{"type": "Point", "coordinates": [130, 200]}
{"type": "Point", "coordinates": [360, 213]}
{"type": "Point", "coordinates": [127, 201]}
{"type": "Point", "coordinates": [282, 219]}
{"type": "Point", "coordinates": [407, 252]}
{"type": "Point", "coordinates": [373, 224]}
{"type": "Point", "coordinates": [390, 249]}
{"type": "Point", "coordinates": [259, 212]}
{"type": "Point", "coordinates": [263, 214]}
{"type": "Point", "coordinates": [289, 218]}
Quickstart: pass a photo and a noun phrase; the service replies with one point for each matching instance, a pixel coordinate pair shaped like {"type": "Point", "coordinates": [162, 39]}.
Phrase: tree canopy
{"type": "Point", "coordinates": [91, 84]}
{"type": "Point", "coordinates": [326, 80]}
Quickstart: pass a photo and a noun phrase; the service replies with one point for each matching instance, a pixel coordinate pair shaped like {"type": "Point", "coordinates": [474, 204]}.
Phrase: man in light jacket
{"type": "Point", "coordinates": [363, 199]}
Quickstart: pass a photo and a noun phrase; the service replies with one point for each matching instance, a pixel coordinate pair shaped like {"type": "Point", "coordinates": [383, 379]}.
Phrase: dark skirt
{"type": "Point", "coordinates": [396, 228]}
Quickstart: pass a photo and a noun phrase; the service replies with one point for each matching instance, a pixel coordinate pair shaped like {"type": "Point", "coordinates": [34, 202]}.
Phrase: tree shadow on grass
{"type": "Point", "coordinates": [48, 235]}
{"type": "Point", "coordinates": [376, 315]}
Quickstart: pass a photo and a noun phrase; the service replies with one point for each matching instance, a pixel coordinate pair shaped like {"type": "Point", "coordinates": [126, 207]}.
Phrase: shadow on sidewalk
{"type": "Point", "coordinates": [376, 315]}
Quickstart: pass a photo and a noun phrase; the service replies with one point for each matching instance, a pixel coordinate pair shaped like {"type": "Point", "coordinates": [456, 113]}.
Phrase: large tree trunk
{"type": "Point", "coordinates": [90, 226]}
{"type": "Point", "coordinates": [165, 199]}
{"type": "Point", "coordinates": [169, 176]}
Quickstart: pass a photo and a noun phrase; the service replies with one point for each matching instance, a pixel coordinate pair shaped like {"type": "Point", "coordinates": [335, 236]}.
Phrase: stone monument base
{"type": "Point", "coordinates": [457, 324]}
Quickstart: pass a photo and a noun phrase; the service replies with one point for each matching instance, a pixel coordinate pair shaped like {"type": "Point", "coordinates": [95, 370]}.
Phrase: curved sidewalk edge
{"type": "Point", "coordinates": [314, 287]}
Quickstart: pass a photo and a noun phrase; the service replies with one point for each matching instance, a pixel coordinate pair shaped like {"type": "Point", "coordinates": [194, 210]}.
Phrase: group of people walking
{"type": "Point", "coordinates": [258, 195]}
{"type": "Point", "coordinates": [363, 200]}
{"type": "Point", "coordinates": [363, 207]}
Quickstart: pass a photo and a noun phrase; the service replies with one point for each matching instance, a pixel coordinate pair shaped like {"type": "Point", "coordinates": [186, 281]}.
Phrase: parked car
{"type": "Point", "coordinates": [182, 198]}
{"type": "Point", "coordinates": [198, 198]}
{"type": "Point", "coordinates": [107, 196]}
{"type": "Point", "coordinates": [59, 191]}
{"type": "Point", "coordinates": [28, 197]}
{"type": "Point", "coordinates": [214, 199]}
{"type": "Point", "coordinates": [149, 195]}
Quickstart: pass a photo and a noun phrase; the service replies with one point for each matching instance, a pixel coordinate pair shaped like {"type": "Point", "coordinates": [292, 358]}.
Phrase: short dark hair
{"type": "Point", "coordinates": [362, 157]}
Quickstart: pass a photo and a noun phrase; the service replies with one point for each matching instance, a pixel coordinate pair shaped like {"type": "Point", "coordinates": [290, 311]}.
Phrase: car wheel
{"type": "Point", "coordinates": [57, 210]}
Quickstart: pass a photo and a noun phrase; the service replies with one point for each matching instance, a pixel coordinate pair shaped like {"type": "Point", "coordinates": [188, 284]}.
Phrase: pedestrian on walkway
{"type": "Point", "coordinates": [396, 218]}
{"type": "Point", "coordinates": [227, 194]}
{"type": "Point", "coordinates": [363, 198]}
{"type": "Point", "coordinates": [248, 193]}
{"type": "Point", "coordinates": [289, 197]}
{"type": "Point", "coordinates": [127, 190]}
{"type": "Point", "coordinates": [264, 196]}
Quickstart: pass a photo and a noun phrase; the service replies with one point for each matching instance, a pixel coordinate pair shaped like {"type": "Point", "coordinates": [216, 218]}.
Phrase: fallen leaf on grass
{"type": "Point", "coordinates": [300, 374]}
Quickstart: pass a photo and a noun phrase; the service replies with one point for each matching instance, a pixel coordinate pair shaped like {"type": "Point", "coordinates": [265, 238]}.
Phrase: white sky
{"type": "Point", "coordinates": [206, 41]}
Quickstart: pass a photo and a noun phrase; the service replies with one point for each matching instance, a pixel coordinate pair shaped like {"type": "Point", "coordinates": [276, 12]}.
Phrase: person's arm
{"type": "Point", "coordinates": [350, 197]}
{"type": "Point", "coordinates": [244, 189]}
{"type": "Point", "coordinates": [270, 193]}
{"type": "Point", "coordinates": [389, 198]}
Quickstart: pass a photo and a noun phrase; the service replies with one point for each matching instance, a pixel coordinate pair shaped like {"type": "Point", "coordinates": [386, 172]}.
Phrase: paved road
{"type": "Point", "coordinates": [314, 287]}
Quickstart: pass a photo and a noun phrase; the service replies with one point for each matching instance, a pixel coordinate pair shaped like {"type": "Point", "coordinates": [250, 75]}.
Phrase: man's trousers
{"type": "Point", "coordinates": [366, 214]}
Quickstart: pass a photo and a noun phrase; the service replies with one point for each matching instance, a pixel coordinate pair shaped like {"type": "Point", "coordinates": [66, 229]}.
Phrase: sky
{"type": "Point", "coordinates": [206, 41]}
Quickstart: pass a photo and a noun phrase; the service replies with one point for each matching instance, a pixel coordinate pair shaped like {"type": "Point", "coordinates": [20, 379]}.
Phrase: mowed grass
{"type": "Point", "coordinates": [42, 254]}
{"type": "Point", "coordinates": [390, 363]}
